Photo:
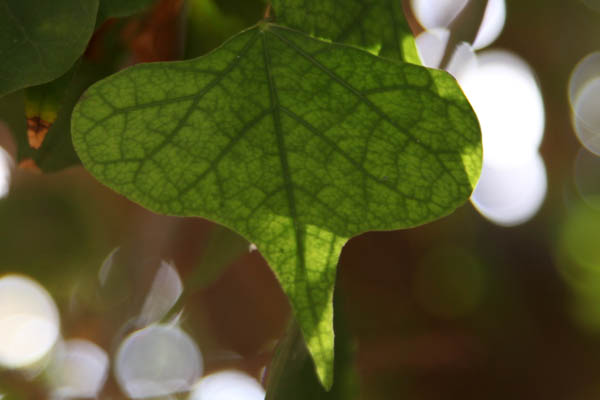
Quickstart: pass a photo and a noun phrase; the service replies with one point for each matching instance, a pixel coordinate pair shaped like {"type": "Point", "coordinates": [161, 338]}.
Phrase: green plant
{"type": "Point", "coordinates": [311, 127]}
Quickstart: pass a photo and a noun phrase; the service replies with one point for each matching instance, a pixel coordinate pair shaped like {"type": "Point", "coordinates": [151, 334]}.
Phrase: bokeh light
{"type": "Point", "coordinates": [433, 14]}
{"type": "Point", "coordinates": [492, 24]}
{"type": "Point", "coordinates": [166, 289]}
{"type": "Point", "coordinates": [584, 97]}
{"type": "Point", "coordinates": [586, 117]}
{"type": "Point", "coordinates": [586, 171]}
{"type": "Point", "coordinates": [511, 195]}
{"type": "Point", "coordinates": [431, 45]}
{"type": "Point", "coordinates": [437, 13]}
{"type": "Point", "coordinates": [157, 361]}
{"type": "Point", "coordinates": [579, 262]}
{"type": "Point", "coordinates": [106, 267]}
{"type": "Point", "coordinates": [593, 4]}
{"type": "Point", "coordinates": [6, 166]}
{"type": "Point", "coordinates": [507, 99]}
{"type": "Point", "coordinates": [78, 369]}
{"type": "Point", "coordinates": [580, 244]}
{"type": "Point", "coordinates": [463, 60]}
{"type": "Point", "coordinates": [29, 322]}
{"type": "Point", "coordinates": [228, 385]}
{"type": "Point", "coordinates": [586, 70]}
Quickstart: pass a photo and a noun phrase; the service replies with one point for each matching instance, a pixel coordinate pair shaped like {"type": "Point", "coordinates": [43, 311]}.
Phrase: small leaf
{"type": "Point", "coordinates": [375, 25]}
{"type": "Point", "coordinates": [41, 40]}
{"type": "Point", "coordinates": [57, 151]}
{"type": "Point", "coordinates": [42, 104]}
{"type": "Point", "coordinates": [295, 143]}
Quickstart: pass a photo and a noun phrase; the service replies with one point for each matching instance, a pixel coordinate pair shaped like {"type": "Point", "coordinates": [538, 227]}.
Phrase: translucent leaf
{"type": "Point", "coordinates": [375, 25]}
{"type": "Point", "coordinates": [295, 143]}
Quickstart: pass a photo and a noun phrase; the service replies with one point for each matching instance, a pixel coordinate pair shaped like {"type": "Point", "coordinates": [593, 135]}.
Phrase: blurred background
{"type": "Point", "coordinates": [499, 300]}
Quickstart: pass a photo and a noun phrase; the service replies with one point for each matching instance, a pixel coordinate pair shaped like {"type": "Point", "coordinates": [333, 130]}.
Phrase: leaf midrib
{"type": "Point", "coordinates": [301, 273]}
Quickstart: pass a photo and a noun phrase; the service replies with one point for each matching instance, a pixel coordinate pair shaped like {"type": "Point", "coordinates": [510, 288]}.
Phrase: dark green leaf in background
{"type": "Point", "coordinates": [121, 8]}
{"type": "Point", "coordinates": [41, 40]}
{"type": "Point", "coordinates": [295, 143]}
{"type": "Point", "coordinates": [375, 25]}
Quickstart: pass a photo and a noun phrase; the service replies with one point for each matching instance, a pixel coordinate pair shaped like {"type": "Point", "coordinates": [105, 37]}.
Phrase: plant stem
{"type": "Point", "coordinates": [267, 14]}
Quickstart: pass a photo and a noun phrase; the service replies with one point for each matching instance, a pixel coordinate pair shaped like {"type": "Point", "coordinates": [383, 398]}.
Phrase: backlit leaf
{"type": "Point", "coordinates": [296, 143]}
{"type": "Point", "coordinates": [375, 25]}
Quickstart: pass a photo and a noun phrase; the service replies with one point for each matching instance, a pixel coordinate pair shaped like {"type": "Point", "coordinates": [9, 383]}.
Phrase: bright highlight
{"type": "Point", "coordinates": [434, 14]}
{"type": "Point", "coordinates": [78, 370]}
{"type": "Point", "coordinates": [157, 361]}
{"type": "Point", "coordinates": [584, 96]}
{"type": "Point", "coordinates": [511, 195]}
{"type": "Point", "coordinates": [228, 385]}
{"type": "Point", "coordinates": [508, 102]}
{"type": "Point", "coordinates": [29, 322]}
{"type": "Point", "coordinates": [6, 166]}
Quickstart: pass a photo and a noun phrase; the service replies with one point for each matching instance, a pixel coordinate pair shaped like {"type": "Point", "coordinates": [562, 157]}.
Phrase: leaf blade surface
{"type": "Point", "coordinates": [295, 143]}
{"type": "Point", "coordinates": [375, 25]}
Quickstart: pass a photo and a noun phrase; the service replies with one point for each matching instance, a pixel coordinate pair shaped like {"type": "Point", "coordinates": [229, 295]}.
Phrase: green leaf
{"type": "Point", "coordinates": [295, 143]}
{"type": "Point", "coordinates": [375, 25]}
{"type": "Point", "coordinates": [41, 40]}
{"type": "Point", "coordinates": [42, 104]}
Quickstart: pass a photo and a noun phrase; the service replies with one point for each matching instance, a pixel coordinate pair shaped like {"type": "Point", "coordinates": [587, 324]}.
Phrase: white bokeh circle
{"type": "Point", "coordinates": [508, 102]}
{"type": "Point", "coordinates": [509, 196]}
{"type": "Point", "coordinates": [29, 322]}
{"type": "Point", "coordinates": [228, 385]}
{"type": "Point", "coordinates": [157, 361]}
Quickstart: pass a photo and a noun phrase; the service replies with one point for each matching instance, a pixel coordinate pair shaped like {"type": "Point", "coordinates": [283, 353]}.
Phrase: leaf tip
{"type": "Point", "coordinates": [37, 128]}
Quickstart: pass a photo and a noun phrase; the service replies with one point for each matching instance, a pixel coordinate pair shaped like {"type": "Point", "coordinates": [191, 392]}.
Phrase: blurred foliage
{"type": "Point", "coordinates": [579, 263]}
{"type": "Point", "coordinates": [120, 8]}
{"type": "Point", "coordinates": [60, 231]}
{"type": "Point", "coordinates": [39, 42]}
{"type": "Point", "coordinates": [450, 283]}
